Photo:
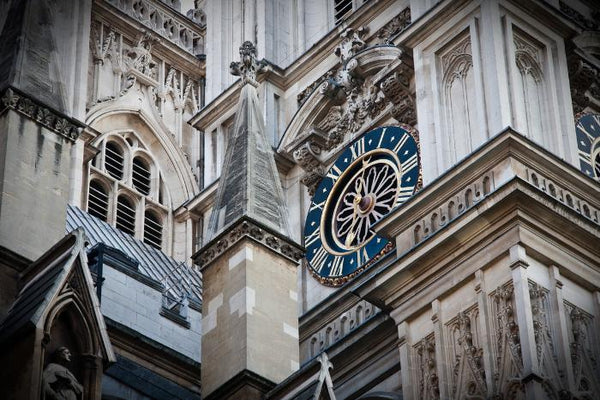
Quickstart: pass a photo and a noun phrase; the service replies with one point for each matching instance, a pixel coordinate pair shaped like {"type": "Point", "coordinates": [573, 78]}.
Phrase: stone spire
{"type": "Point", "coordinates": [249, 185]}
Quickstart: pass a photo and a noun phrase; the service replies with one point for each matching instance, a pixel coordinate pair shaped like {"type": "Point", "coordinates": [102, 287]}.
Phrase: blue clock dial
{"type": "Point", "coordinates": [373, 175]}
{"type": "Point", "coordinates": [588, 144]}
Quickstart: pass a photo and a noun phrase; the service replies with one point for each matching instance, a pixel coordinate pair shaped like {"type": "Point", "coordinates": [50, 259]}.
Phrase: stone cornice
{"type": "Point", "coordinates": [506, 156]}
{"type": "Point", "coordinates": [250, 229]}
{"type": "Point", "coordinates": [510, 191]}
{"type": "Point", "coordinates": [41, 114]}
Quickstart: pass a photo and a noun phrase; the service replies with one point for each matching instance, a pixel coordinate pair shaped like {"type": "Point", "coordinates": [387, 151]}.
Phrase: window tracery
{"type": "Point", "coordinates": [124, 180]}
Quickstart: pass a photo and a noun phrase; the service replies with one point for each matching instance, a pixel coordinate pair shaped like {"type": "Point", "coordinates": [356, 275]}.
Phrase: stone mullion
{"type": "Point", "coordinates": [531, 372]}
{"type": "Point", "coordinates": [560, 316]}
{"type": "Point", "coordinates": [440, 353]}
{"type": "Point", "coordinates": [405, 365]}
{"type": "Point", "coordinates": [486, 331]}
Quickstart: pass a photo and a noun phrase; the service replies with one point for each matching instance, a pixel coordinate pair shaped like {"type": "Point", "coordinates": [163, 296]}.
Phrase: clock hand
{"type": "Point", "coordinates": [361, 180]}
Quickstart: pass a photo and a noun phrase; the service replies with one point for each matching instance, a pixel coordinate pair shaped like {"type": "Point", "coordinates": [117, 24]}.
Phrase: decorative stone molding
{"type": "Point", "coordinates": [341, 327]}
{"type": "Point", "coordinates": [248, 67]}
{"type": "Point", "coordinates": [507, 346]}
{"type": "Point", "coordinates": [468, 378]}
{"type": "Point", "coordinates": [585, 82]}
{"type": "Point", "coordinates": [307, 156]}
{"type": "Point", "coordinates": [303, 95]}
{"type": "Point", "coordinates": [426, 369]}
{"type": "Point", "coordinates": [587, 23]}
{"type": "Point", "coordinates": [546, 354]}
{"type": "Point", "coordinates": [139, 57]}
{"type": "Point", "coordinates": [457, 62]}
{"type": "Point", "coordinates": [324, 382]}
{"type": "Point", "coordinates": [61, 125]}
{"type": "Point", "coordinates": [527, 58]}
{"type": "Point", "coordinates": [452, 207]}
{"type": "Point", "coordinates": [172, 26]}
{"type": "Point", "coordinates": [564, 196]}
{"type": "Point", "coordinates": [396, 89]}
{"type": "Point", "coordinates": [584, 361]}
{"type": "Point", "coordinates": [398, 24]}
{"type": "Point", "coordinates": [246, 228]}
{"type": "Point", "coordinates": [351, 43]}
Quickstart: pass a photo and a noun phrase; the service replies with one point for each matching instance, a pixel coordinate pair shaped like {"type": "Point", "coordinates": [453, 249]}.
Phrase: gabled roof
{"type": "Point", "coordinates": [177, 277]}
{"type": "Point", "coordinates": [45, 280]}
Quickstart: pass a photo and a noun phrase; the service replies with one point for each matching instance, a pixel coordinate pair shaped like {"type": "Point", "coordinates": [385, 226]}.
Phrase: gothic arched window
{"type": "Point", "coordinates": [125, 215]}
{"type": "Point", "coordinates": [98, 200]}
{"type": "Point", "coordinates": [114, 160]}
{"type": "Point", "coordinates": [152, 229]}
{"type": "Point", "coordinates": [140, 175]}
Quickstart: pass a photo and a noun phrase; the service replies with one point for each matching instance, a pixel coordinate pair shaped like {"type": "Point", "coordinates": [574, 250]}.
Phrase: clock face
{"type": "Point", "coordinates": [375, 174]}
{"type": "Point", "coordinates": [588, 143]}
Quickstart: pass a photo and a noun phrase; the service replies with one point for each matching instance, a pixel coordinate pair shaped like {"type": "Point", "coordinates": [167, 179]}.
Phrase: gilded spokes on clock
{"type": "Point", "coordinates": [365, 200]}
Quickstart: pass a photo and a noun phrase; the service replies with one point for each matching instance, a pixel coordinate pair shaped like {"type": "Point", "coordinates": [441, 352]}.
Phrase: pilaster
{"type": "Point", "coordinates": [531, 372]}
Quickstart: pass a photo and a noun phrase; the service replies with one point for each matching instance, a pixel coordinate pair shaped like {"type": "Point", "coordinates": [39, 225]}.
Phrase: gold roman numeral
{"type": "Point", "coordinates": [358, 148]}
{"type": "Point", "coordinates": [337, 266]}
{"type": "Point", "coordinates": [334, 173]}
{"type": "Point", "coordinates": [310, 239]}
{"type": "Point", "coordinates": [400, 143]}
{"type": "Point", "coordinates": [319, 259]}
{"type": "Point", "coordinates": [410, 163]}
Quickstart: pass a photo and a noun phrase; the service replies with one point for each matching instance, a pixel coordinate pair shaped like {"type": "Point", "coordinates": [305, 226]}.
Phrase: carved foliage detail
{"type": "Point", "coordinates": [250, 230]}
{"type": "Point", "coordinates": [398, 24]}
{"type": "Point", "coordinates": [546, 355]}
{"type": "Point", "coordinates": [248, 67]}
{"type": "Point", "coordinates": [507, 345]}
{"type": "Point", "coordinates": [427, 379]}
{"type": "Point", "coordinates": [352, 42]}
{"type": "Point", "coordinates": [306, 156]}
{"type": "Point", "coordinates": [468, 378]}
{"type": "Point", "coordinates": [40, 114]}
{"type": "Point", "coordinates": [585, 82]}
{"type": "Point", "coordinates": [586, 369]}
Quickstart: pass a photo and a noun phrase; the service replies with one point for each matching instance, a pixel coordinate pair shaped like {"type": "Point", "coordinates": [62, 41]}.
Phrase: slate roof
{"type": "Point", "coordinates": [33, 297]}
{"type": "Point", "coordinates": [148, 382]}
{"type": "Point", "coordinates": [177, 277]}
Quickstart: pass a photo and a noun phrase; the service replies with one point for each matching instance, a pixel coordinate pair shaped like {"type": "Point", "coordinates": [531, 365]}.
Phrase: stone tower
{"type": "Point", "coordinates": [44, 57]}
{"type": "Point", "coordinates": [250, 325]}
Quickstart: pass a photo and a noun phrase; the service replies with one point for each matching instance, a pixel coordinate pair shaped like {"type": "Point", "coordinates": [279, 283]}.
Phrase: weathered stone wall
{"type": "Point", "coordinates": [36, 164]}
{"type": "Point", "coordinates": [249, 316]}
{"type": "Point", "coordinates": [137, 306]}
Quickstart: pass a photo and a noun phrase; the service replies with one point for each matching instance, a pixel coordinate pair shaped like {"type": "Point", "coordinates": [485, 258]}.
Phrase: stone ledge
{"type": "Point", "coordinates": [246, 227]}
{"type": "Point", "coordinates": [38, 112]}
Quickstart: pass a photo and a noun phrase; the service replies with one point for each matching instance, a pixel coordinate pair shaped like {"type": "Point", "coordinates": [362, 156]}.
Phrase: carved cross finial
{"type": "Point", "coordinates": [248, 67]}
{"type": "Point", "coordinates": [324, 379]}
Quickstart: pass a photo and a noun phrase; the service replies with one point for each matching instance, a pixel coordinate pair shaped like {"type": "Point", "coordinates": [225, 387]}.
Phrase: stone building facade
{"type": "Point", "coordinates": [185, 147]}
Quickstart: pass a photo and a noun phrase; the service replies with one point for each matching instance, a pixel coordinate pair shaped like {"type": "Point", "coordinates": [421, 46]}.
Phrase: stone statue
{"type": "Point", "coordinates": [58, 382]}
